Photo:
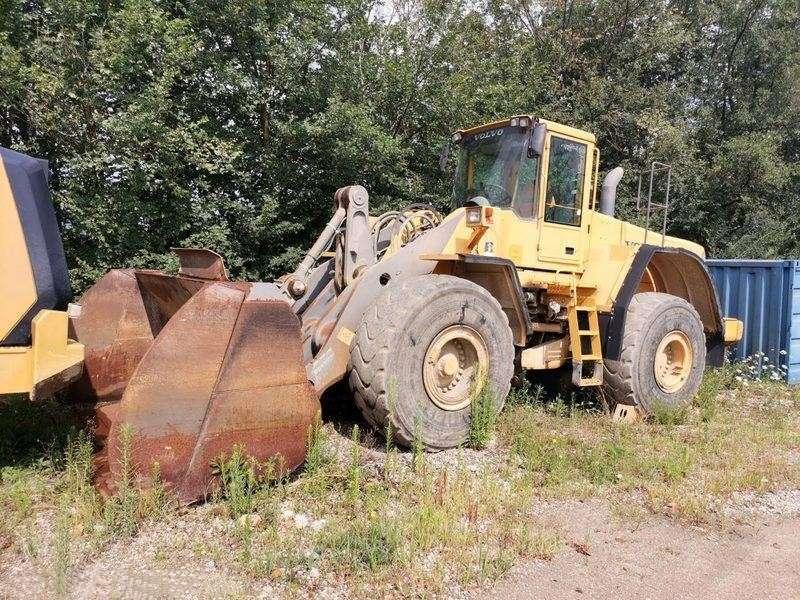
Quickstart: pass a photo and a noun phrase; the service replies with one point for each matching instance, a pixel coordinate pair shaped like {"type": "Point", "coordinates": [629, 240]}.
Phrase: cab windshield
{"type": "Point", "coordinates": [494, 168]}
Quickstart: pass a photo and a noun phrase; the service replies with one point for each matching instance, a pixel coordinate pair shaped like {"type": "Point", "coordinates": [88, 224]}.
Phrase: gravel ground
{"type": "Point", "coordinates": [189, 555]}
{"type": "Point", "coordinates": [603, 557]}
{"type": "Point", "coordinates": [662, 559]}
{"type": "Point", "coordinates": [785, 503]}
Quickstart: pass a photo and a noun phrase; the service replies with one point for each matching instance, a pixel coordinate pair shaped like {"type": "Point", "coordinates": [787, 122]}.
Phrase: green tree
{"type": "Point", "coordinates": [230, 124]}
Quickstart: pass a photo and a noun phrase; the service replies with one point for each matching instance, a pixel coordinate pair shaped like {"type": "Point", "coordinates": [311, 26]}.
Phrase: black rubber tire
{"type": "Point", "coordinates": [631, 379]}
{"type": "Point", "coordinates": [390, 346]}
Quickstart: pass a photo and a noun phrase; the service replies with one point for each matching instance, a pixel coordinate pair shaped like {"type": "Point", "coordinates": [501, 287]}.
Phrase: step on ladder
{"type": "Point", "coordinates": [584, 335]}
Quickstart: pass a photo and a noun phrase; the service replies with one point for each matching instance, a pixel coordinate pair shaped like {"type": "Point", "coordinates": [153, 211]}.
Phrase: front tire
{"type": "Point", "coordinates": [417, 353]}
{"type": "Point", "coordinates": [663, 354]}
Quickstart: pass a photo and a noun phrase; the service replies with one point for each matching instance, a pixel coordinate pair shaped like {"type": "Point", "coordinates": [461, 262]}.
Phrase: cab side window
{"type": "Point", "coordinates": [565, 177]}
{"type": "Point", "coordinates": [525, 204]}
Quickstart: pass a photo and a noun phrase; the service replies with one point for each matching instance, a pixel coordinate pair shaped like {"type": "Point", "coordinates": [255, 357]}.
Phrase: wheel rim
{"type": "Point", "coordinates": [674, 359]}
{"type": "Point", "coordinates": [452, 362]}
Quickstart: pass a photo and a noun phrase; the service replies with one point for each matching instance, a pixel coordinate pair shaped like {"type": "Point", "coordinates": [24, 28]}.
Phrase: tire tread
{"type": "Point", "coordinates": [618, 374]}
{"type": "Point", "coordinates": [370, 352]}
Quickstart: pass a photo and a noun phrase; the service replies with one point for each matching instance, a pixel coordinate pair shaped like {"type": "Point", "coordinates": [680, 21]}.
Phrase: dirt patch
{"type": "Point", "coordinates": [659, 559]}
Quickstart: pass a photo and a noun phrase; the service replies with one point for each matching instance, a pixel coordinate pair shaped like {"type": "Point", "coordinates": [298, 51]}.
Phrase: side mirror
{"type": "Point", "coordinates": [444, 154]}
{"type": "Point", "coordinates": [536, 142]}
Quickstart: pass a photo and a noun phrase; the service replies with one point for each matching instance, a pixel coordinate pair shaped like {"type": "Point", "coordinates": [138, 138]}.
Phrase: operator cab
{"type": "Point", "coordinates": [500, 165]}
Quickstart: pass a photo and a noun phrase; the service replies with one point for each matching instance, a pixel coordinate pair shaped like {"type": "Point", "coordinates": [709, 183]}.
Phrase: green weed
{"type": "Point", "coordinates": [707, 397]}
{"type": "Point", "coordinates": [670, 415]}
{"type": "Point", "coordinates": [316, 448]}
{"type": "Point", "coordinates": [155, 502]}
{"type": "Point", "coordinates": [61, 549]}
{"type": "Point", "coordinates": [239, 482]}
{"type": "Point", "coordinates": [121, 511]}
{"type": "Point", "coordinates": [354, 471]}
{"type": "Point", "coordinates": [78, 465]}
{"type": "Point", "coordinates": [362, 545]}
{"type": "Point", "coordinates": [388, 432]}
{"type": "Point", "coordinates": [124, 512]}
{"type": "Point", "coordinates": [483, 415]}
{"type": "Point", "coordinates": [417, 447]}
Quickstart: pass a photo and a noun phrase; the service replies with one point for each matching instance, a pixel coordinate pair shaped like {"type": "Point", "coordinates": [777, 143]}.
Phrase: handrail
{"type": "Point", "coordinates": [655, 167]}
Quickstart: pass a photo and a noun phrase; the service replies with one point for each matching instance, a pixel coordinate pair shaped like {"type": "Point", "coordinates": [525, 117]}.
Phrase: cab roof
{"type": "Point", "coordinates": [551, 126]}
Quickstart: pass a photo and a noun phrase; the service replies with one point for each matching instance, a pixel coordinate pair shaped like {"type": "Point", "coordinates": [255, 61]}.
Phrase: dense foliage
{"type": "Point", "coordinates": [229, 124]}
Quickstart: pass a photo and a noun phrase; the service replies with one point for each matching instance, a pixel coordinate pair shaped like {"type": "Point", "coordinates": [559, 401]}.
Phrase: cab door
{"type": "Point", "coordinates": [563, 202]}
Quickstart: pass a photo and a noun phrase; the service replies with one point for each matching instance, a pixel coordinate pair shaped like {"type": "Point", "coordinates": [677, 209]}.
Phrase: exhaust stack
{"type": "Point", "coordinates": [608, 194]}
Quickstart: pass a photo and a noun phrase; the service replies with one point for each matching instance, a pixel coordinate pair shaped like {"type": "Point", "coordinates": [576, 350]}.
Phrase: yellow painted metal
{"type": "Point", "coordinates": [589, 260]}
{"type": "Point", "coordinates": [52, 360]}
{"type": "Point", "coordinates": [674, 359]}
{"type": "Point", "coordinates": [552, 126]}
{"type": "Point", "coordinates": [16, 274]}
{"type": "Point", "coordinates": [49, 363]}
{"type": "Point", "coordinates": [734, 329]}
{"type": "Point", "coordinates": [625, 413]}
{"type": "Point", "coordinates": [581, 265]}
{"type": "Point", "coordinates": [456, 357]}
{"type": "Point", "coordinates": [577, 316]}
{"type": "Point", "coordinates": [547, 355]}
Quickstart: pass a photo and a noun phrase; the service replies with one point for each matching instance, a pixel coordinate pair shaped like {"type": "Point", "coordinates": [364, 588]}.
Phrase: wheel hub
{"type": "Point", "coordinates": [453, 361]}
{"type": "Point", "coordinates": [674, 360]}
{"type": "Point", "coordinates": [448, 365]}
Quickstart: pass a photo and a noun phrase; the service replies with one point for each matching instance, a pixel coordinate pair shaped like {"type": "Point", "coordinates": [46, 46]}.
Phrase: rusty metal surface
{"type": "Point", "coordinates": [114, 327]}
{"type": "Point", "coordinates": [120, 316]}
{"type": "Point", "coordinates": [201, 263]}
{"type": "Point", "coordinates": [223, 370]}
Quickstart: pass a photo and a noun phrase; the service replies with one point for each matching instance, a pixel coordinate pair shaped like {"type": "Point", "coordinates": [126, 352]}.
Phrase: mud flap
{"type": "Point", "coordinates": [223, 368]}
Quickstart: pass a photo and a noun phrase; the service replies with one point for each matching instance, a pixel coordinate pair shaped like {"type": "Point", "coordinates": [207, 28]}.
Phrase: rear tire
{"type": "Point", "coordinates": [663, 354]}
{"type": "Point", "coordinates": [447, 323]}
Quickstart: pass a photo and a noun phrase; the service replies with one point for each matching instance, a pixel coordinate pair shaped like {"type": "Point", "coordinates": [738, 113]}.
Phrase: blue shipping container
{"type": "Point", "coordinates": [765, 295]}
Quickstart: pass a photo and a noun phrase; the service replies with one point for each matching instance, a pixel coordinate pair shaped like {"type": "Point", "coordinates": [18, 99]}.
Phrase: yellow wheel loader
{"type": "Point", "coordinates": [531, 271]}
{"type": "Point", "coordinates": [36, 355]}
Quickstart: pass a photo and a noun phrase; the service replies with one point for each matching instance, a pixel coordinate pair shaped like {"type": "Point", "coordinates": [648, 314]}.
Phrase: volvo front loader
{"type": "Point", "coordinates": [37, 357]}
{"type": "Point", "coordinates": [531, 270]}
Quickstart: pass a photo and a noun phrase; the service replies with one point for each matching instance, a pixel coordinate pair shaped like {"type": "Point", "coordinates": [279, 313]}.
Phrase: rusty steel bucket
{"type": "Point", "coordinates": [194, 365]}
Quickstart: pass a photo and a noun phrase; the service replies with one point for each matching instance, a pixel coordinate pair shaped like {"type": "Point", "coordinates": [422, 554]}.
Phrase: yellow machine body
{"type": "Point", "coordinates": [16, 274]}
{"type": "Point", "coordinates": [49, 364]}
{"type": "Point", "coordinates": [36, 355]}
{"type": "Point", "coordinates": [585, 267]}
{"type": "Point", "coordinates": [592, 257]}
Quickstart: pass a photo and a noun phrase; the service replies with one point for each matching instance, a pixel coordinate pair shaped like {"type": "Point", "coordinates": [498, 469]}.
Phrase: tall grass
{"type": "Point", "coordinates": [61, 549]}
{"type": "Point", "coordinates": [483, 414]}
{"type": "Point", "coordinates": [239, 482]}
{"type": "Point", "coordinates": [316, 448]}
{"type": "Point", "coordinates": [417, 447]}
{"type": "Point", "coordinates": [363, 544]}
{"type": "Point", "coordinates": [78, 465]}
{"type": "Point", "coordinates": [354, 471]}
{"type": "Point", "coordinates": [131, 505]}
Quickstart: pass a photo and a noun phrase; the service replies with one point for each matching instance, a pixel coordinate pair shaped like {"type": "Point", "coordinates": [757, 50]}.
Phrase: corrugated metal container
{"type": "Point", "coordinates": [765, 295]}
